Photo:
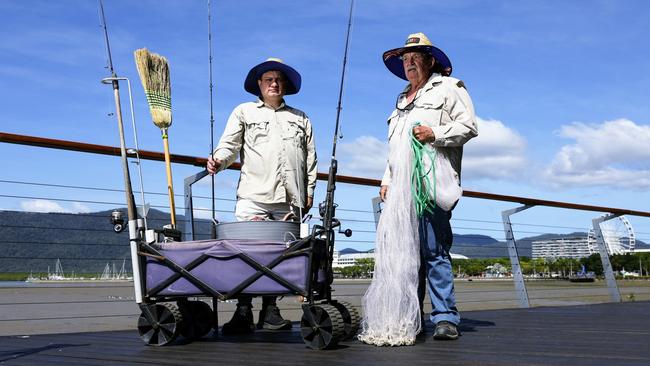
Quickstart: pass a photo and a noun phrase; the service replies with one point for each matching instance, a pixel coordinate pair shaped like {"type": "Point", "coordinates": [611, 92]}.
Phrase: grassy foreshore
{"type": "Point", "coordinates": [15, 276]}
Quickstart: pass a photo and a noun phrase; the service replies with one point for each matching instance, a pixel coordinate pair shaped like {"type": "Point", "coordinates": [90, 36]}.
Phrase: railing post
{"type": "Point", "coordinates": [376, 209]}
{"type": "Point", "coordinates": [517, 273]}
{"type": "Point", "coordinates": [189, 204]}
{"type": "Point", "coordinates": [614, 293]}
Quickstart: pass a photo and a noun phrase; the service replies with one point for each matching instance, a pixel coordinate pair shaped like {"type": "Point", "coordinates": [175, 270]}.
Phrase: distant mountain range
{"type": "Point", "coordinates": [86, 242]}
{"type": "Point", "coordinates": [483, 246]}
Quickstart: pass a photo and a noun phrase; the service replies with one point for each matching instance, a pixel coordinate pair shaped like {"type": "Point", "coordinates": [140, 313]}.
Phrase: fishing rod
{"type": "Point", "coordinates": [345, 61]}
{"type": "Point", "coordinates": [133, 221]}
{"type": "Point", "coordinates": [214, 221]}
{"type": "Point", "coordinates": [113, 80]}
{"type": "Point", "coordinates": [328, 207]}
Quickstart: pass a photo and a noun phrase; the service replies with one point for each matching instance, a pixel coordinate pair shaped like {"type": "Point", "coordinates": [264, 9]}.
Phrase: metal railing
{"type": "Point", "coordinates": [471, 294]}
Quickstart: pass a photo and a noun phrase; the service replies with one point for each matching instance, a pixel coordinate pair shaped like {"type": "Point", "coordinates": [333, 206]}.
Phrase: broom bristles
{"type": "Point", "coordinates": [154, 75]}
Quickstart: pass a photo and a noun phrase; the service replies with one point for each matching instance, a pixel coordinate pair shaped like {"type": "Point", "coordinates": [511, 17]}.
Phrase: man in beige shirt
{"type": "Point", "coordinates": [275, 144]}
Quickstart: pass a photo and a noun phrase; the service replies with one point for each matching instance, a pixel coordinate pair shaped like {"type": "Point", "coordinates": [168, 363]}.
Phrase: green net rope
{"type": "Point", "coordinates": [422, 182]}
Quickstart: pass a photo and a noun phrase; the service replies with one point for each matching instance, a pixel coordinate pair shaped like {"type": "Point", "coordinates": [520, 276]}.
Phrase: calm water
{"type": "Point", "coordinates": [16, 284]}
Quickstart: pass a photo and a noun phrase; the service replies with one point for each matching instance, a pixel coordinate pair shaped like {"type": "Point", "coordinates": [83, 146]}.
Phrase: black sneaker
{"type": "Point", "coordinates": [271, 319]}
{"type": "Point", "coordinates": [445, 331]}
{"type": "Point", "coordinates": [241, 322]}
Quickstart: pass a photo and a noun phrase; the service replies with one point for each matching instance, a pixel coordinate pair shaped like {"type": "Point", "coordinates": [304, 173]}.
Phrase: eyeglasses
{"type": "Point", "coordinates": [409, 106]}
{"type": "Point", "coordinates": [412, 57]}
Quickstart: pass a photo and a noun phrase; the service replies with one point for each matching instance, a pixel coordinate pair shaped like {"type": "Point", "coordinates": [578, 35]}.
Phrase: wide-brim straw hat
{"type": "Point", "coordinates": [272, 64]}
{"type": "Point", "coordinates": [416, 42]}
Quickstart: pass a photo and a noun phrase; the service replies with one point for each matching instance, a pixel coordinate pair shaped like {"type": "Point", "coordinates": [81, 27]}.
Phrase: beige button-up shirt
{"type": "Point", "coordinates": [442, 104]}
{"type": "Point", "coordinates": [276, 150]}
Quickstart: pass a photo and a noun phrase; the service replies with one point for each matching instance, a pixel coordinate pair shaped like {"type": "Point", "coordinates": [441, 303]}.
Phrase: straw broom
{"type": "Point", "coordinates": [154, 74]}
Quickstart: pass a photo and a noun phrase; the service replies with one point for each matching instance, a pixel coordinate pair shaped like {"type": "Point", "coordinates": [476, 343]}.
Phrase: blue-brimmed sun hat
{"type": "Point", "coordinates": [417, 42]}
{"type": "Point", "coordinates": [272, 64]}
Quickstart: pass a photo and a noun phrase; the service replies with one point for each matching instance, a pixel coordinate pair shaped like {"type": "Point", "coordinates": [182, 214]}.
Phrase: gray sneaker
{"type": "Point", "coordinates": [270, 318]}
{"type": "Point", "coordinates": [445, 331]}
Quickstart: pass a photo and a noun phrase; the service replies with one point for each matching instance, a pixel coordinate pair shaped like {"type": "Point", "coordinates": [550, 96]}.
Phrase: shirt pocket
{"type": "Point", "coordinates": [257, 132]}
{"type": "Point", "coordinates": [294, 133]}
{"type": "Point", "coordinates": [428, 111]}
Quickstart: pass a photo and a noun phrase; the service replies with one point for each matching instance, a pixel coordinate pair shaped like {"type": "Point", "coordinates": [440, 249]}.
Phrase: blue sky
{"type": "Point", "coordinates": [561, 89]}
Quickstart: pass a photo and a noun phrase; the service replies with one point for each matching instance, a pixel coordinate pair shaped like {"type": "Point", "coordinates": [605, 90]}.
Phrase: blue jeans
{"type": "Point", "coordinates": [435, 265]}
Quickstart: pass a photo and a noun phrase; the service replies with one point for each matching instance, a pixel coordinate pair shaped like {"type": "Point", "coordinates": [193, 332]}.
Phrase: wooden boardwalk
{"type": "Point", "coordinates": [601, 334]}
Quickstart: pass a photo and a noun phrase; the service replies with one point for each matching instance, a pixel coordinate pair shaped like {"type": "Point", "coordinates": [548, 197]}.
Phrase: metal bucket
{"type": "Point", "coordinates": [259, 230]}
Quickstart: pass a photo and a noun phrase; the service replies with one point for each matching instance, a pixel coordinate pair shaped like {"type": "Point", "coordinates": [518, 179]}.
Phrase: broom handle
{"type": "Point", "coordinates": [170, 186]}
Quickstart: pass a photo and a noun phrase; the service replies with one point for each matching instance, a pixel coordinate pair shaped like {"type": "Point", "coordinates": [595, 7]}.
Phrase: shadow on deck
{"type": "Point", "coordinates": [601, 334]}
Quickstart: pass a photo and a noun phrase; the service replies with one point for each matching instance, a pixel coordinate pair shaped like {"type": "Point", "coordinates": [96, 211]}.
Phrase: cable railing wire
{"type": "Point", "coordinates": [229, 212]}
{"type": "Point", "coordinates": [55, 228]}
{"type": "Point", "coordinates": [126, 244]}
{"type": "Point", "coordinates": [107, 189]}
{"type": "Point", "coordinates": [234, 200]}
{"type": "Point", "coordinates": [82, 214]}
{"type": "Point", "coordinates": [500, 244]}
{"type": "Point", "coordinates": [93, 202]}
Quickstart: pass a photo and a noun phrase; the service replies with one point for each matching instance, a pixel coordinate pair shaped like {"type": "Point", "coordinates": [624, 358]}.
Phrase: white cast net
{"type": "Point", "coordinates": [391, 307]}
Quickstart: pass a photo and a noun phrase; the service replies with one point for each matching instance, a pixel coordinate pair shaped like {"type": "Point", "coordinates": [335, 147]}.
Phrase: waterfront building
{"type": "Point", "coordinates": [350, 259]}
{"type": "Point", "coordinates": [575, 247]}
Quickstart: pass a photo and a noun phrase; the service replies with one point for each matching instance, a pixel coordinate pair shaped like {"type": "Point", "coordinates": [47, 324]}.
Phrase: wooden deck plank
{"type": "Point", "coordinates": [578, 335]}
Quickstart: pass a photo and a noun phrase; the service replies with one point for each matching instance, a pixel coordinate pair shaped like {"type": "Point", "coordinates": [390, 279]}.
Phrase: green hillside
{"type": "Point", "coordinates": [84, 243]}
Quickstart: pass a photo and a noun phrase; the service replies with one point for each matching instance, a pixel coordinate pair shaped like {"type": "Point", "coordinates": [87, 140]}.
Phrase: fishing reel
{"type": "Point", "coordinates": [117, 220]}
{"type": "Point", "coordinates": [346, 232]}
{"type": "Point", "coordinates": [322, 210]}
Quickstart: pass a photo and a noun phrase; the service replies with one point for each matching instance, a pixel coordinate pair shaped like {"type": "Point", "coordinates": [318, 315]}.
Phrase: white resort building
{"type": "Point", "coordinates": [350, 259]}
{"type": "Point", "coordinates": [618, 236]}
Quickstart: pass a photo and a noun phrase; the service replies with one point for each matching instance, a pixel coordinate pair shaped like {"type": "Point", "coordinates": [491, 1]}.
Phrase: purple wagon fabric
{"type": "Point", "coordinates": [223, 271]}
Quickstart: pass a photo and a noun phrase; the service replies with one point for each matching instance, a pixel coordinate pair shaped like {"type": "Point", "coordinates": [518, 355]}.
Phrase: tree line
{"type": "Point", "coordinates": [562, 267]}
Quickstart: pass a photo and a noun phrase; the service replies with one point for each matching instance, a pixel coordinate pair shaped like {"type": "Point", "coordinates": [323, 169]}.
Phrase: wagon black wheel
{"type": "Point", "coordinates": [159, 324]}
{"type": "Point", "coordinates": [198, 319]}
{"type": "Point", "coordinates": [351, 318]}
{"type": "Point", "coordinates": [321, 326]}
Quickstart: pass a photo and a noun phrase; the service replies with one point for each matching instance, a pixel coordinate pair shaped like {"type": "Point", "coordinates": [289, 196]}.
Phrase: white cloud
{"type": "Point", "coordinates": [41, 206]}
{"type": "Point", "coordinates": [497, 152]}
{"type": "Point", "coordinates": [365, 157]}
{"type": "Point", "coordinates": [51, 206]}
{"type": "Point", "coordinates": [614, 153]}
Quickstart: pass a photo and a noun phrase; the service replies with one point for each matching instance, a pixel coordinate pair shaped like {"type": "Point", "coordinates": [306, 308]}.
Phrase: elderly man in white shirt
{"type": "Point", "coordinates": [436, 110]}
{"type": "Point", "coordinates": [275, 144]}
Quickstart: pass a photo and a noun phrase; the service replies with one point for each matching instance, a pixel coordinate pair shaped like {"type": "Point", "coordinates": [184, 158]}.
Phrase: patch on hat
{"type": "Point", "coordinates": [393, 53]}
{"type": "Point", "coordinates": [460, 84]}
{"type": "Point", "coordinates": [412, 40]}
